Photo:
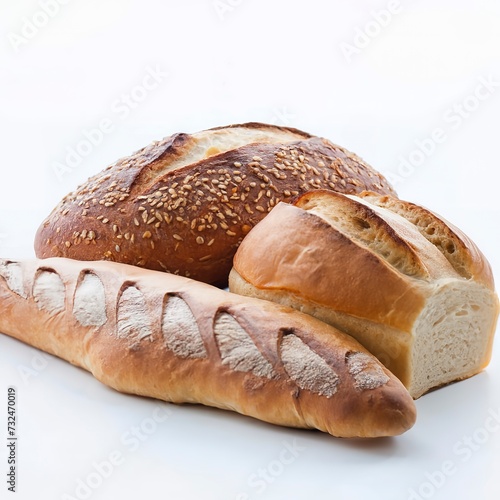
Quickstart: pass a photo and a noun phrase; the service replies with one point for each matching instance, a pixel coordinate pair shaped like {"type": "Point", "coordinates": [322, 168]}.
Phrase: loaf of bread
{"type": "Point", "coordinates": [409, 286]}
{"type": "Point", "coordinates": [184, 204]}
{"type": "Point", "coordinates": [168, 337]}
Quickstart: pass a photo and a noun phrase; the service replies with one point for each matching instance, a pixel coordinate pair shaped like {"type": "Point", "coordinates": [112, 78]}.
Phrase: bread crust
{"type": "Point", "coordinates": [185, 203]}
{"type": "Point", "coordinates": [371, 267]}
{"type": "Point", "coordinates": [126, 346]}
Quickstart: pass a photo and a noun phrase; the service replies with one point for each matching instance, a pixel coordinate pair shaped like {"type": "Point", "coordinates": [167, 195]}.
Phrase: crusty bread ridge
{"type": "Point", "coordinates": [168, 337]}
{"type": "Point", "coordinates": [184, 204]}
{"type": "Point", "coordinates": [410, 287]}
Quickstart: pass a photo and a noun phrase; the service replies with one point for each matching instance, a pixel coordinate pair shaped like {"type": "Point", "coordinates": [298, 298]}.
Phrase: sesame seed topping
{"type": "Point", "coordinates": [177, 237]}
{"type": "Point", "coordinates": [200, 240]}
{"type": "Point", "coordinates": [147, 235]}
{"type": "Point", "coordinates": [117, 248]}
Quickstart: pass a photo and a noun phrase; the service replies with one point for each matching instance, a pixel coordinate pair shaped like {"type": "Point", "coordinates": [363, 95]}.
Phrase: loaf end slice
{"type": "Point", "coordinates": [369, 271]}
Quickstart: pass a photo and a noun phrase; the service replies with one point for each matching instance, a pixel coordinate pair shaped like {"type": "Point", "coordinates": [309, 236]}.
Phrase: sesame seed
{"type": "Point", "coordinates": [105, 221]}
{"type": "Point", "coordinates": [91, 235]}
{"type": "Point", "coordinates": [230, 233]}
{"type": "Point", "coordinates": [259, 208]}
{"type": "Point", "coordinates": [257, 158]}
{"type": "Point", "coordinates": [200, 240]}
{"type": "Point", "coordinates": [147, 235]}
{"type": "Point", "coordinates": [115, 228]}
{"type": "Point", "coordinates": [117, 248]}
{"type": "Point", "coordinates": [136, 222]}
{"type": "Point", "coordinates": [210, 242]}
{"type": "Point", "coordinates": [68, 244]}
{"type": "Point", "coordinates": [237, 164]}
{"type": "Point", "coordinates": [177, 237]}
{"type": "Point", "coordinates": [205, 258]}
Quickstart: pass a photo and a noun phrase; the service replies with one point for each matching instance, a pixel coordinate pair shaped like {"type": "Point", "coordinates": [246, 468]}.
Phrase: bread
{"type": "Point", "coordinates": [184, 204]}
{"type": "Point", "coordinates": [168, 337]}
{"type": "Point", "coordinates": [409, 286]}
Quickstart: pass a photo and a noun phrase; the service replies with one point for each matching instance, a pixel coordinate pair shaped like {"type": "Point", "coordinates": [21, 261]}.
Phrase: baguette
{"type": "Point", "coordinates": [409, 286]}
{"type": "Point", "coordinates": [163, 336]}
{"type": "Point", "coordinates": [184, 204]}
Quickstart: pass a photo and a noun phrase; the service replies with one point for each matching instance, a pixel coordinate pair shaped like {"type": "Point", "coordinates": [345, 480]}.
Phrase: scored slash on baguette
{"type": "Point", "coordinates": [410, 287]}
{"type": "Point", "coordinates": [168, 337]}
{"type": "Point", "coordinates": [184, 204]}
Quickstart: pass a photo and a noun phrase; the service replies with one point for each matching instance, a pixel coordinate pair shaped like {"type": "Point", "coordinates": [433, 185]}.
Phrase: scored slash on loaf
{"type": "Point", "coordinates": [185, 203]}
{"type": "Point", "coordinates": [409, 286]}
{"type": "Point", "coordinates": [159, 335]}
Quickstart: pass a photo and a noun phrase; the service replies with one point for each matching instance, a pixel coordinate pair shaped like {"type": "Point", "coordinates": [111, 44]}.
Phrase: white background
{"type": "Point", "coordinates": [418, 75]}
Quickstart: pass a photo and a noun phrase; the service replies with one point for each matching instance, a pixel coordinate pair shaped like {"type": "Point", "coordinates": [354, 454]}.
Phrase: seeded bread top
{"type": "Point", "coordinates": [184, 204]}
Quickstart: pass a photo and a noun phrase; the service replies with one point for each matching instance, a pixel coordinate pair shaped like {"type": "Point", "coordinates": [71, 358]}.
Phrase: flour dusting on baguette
{"type": "Point", "coordinates": [89, 306]}
{"type": "Point", "coordinates": [307, 368]}
{"type": "Point", "coordinates": [133, 319]}
{"type": "Point", "coordinates": [238, 350]}
{"type": "Point", "coordinates": [159, 335]}
{"type": "Point", "coordinates": [49, 292]}
{"type": "Point", "coordinates": [181, 332]}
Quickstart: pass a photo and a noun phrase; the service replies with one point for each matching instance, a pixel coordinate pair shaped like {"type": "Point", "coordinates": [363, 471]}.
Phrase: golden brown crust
{"type": "Point", "coordinates": [461, 252]}
{"type": "Point", "coordinates": [301, 253]}
{"type": "Point", "coordinates": [131, 353]}
{"type": "Point", "coordinates": [371, 267]}
{"type": "Point", "coordinates": [148, 211]}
